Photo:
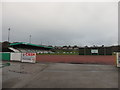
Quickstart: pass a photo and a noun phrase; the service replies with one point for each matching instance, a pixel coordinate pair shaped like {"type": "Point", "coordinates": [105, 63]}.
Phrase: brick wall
{"type": "Point", "coordinates": [87, 59]}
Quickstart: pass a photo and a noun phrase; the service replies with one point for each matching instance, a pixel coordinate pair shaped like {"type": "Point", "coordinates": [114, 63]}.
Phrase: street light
{"type": "Point", "coordinates": [8, 34]}
{"type": "Point", "coordinates": [30, 38]}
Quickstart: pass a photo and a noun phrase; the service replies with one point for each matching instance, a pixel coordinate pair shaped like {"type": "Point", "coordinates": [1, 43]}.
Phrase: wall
{"type": "Point", "coordinates": [88, 59]}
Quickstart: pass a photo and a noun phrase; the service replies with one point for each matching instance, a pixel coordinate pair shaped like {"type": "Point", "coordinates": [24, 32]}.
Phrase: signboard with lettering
{"type": "Point", "coordinates": [29, 57]}
{"type": "Point", "coordinates": [94, 50]}
{"type": "Point", "coordinates": [118, 59]}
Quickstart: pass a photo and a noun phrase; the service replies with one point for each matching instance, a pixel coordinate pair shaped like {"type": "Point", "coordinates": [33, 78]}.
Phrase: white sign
{"type": "Point", "coordinates": [118, 59]}
{"type": "Point", "coordinates": [15, 57]}
{"type": "Point", "coordinates": [94, 51]}
{"type": "Point", "coordinates": [29, 57]}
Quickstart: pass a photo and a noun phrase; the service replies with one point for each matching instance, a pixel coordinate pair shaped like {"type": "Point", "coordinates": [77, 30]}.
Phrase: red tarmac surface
{"type": "Point", "coordinates": [87, 59]}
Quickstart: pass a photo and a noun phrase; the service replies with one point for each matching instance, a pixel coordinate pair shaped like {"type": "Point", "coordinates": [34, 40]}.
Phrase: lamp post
{"type": "Point", "coordinates": [41, 42]}
{"type": "Point", "coordinates": [8, 34]}
{"type": "Point", "coordinates": [30, 38]}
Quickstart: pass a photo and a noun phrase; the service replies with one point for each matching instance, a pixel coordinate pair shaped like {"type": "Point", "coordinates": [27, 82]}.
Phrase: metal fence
{"type": "Point", "coordinates": [98, 50]}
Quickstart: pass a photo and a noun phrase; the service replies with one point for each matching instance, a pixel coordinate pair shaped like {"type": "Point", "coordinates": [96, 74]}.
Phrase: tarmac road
{"type": "Point", "coordinates": [59, 75]}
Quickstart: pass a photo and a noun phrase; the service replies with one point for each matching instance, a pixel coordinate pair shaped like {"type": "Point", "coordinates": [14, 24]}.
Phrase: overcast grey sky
{"type": "Point", "coordinates": [60, 23]}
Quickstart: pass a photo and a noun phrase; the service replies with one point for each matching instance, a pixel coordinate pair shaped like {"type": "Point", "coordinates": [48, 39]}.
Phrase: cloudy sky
{"type": "Point", "coordinates": [61, 23]}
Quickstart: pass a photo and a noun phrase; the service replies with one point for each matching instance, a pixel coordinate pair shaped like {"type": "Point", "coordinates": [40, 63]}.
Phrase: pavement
{"type": "Point", "coordinates": [59, 75]}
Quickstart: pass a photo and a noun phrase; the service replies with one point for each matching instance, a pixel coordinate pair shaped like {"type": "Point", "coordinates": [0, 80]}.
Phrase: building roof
{"type": "Point", "coordinates": [25, 43]}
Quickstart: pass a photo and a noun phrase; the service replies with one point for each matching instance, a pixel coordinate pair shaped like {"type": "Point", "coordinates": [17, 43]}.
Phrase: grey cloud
{"type": "Point", "coordinates": [62, 23]}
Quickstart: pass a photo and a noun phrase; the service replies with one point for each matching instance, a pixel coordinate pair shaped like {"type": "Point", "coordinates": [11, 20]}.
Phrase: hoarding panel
{"type": "Point", "coordinates": [94, 50]}
{"type": "Point", "coordinates": [6, 56]}
{"type": "Point", "coordinates": [29, 57]}
{"type": "Point", "coordinates": [16, 56]}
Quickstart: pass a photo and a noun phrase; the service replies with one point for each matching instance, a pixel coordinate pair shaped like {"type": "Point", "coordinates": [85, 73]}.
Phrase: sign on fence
{"type": "Point", "coordinates": [15, 57]}
{"type": "Point", "coordinates": [29, 57]}
{"type": "Point", "coordinates": [118, 59]}
{"type": "Point", "coordinates": [94, 50]}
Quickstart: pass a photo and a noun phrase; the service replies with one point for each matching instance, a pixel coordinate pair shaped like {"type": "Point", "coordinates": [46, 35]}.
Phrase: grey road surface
{"type": "Point", "coordinates": [59, 75]}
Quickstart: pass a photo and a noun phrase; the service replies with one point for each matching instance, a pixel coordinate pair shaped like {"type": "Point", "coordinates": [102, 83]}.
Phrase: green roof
{"type": "Point", "coordinates": [12, 44]}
